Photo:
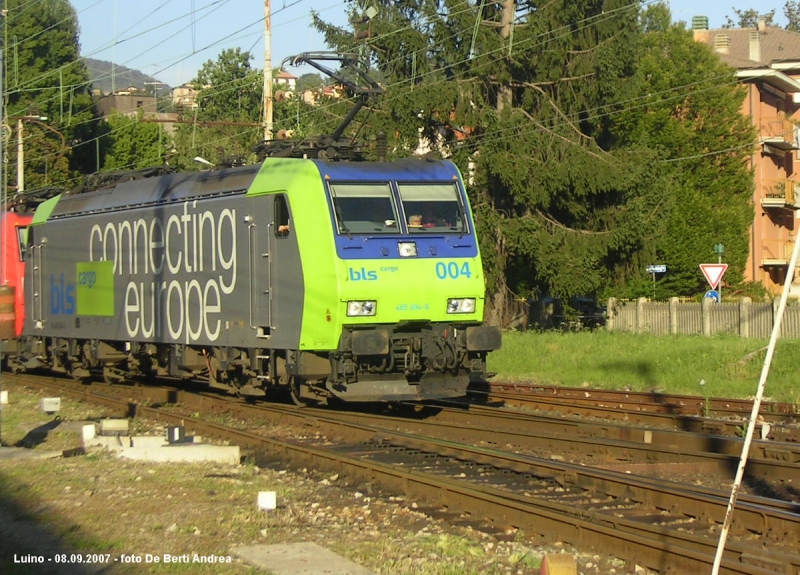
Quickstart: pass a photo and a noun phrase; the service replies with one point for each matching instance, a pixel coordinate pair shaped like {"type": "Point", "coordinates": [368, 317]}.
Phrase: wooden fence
{"type": "Point", "coordinates": [743, 318]}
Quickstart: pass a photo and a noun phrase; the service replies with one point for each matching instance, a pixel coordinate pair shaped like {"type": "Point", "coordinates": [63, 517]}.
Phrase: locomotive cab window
{"type": "Point", "coordinates": [283, 226]}
{"type": "Point", "coordinates": [432, 207]}
{"type": "Point", "coordinates": [22, 240]}
{"type": "Point", "coordinates": [364, 208]}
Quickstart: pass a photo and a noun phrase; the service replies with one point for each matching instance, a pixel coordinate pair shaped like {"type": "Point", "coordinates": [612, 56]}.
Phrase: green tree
{"type": "Point", "coordinates": [47, 78]}
{"type": "Point", "coordinates": [792, 12]}
{"type": "Point", "coordinates": [227, 121]}
{"type": "Point", "coordinates": [133, 144]}
{"type": "Point", "coordinates": [228, 88]}
{"type": "Point", "coordinates": [309, 81]}
{"type": "Point", "coordinates": [562, 208]}
{"type": "Point", "coordinates": [295, 115]}
{"type": "Point", "coordinates": [689, 109]}
{"type": "Point", "coordinates": [748, 18]}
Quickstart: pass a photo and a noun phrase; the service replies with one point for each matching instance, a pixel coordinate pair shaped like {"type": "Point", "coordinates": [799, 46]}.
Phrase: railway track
{"type": "Point", "coordinates": [713, 415]}
{"type": "Point", "coordinates": [771, 468]}
{"type": "Point", "coordinates": [664, 526]}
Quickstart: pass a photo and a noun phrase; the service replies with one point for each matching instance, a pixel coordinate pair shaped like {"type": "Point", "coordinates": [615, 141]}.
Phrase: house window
{"type": "Point", "coordinates": [796, 129]}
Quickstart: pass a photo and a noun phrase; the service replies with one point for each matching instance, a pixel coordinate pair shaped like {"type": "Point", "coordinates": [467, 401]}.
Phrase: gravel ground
{"type": "Point", "coordinates": [98, 504]}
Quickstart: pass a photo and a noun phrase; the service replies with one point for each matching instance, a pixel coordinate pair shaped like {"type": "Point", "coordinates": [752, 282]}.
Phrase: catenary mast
{"type": "Point", "coordinates": [267, 71]}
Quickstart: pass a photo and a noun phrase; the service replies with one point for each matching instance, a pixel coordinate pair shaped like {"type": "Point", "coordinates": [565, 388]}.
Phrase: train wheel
{"type": "Point", "coordinates": [296, 391]}
{"type": "Point", "coordinates": [75, 369]}
{"type": "Point", "coordinates": [112, 375]}
{"type": "Point", "coordinates": [80, 373]}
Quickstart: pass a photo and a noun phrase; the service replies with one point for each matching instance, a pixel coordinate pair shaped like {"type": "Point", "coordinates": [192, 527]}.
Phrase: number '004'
{"type": "Point", "coordinates": [452, 270]}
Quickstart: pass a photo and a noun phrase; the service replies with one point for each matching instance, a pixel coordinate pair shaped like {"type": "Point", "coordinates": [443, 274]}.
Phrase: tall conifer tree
{"type": "Point", "coordinates": [526, 93]}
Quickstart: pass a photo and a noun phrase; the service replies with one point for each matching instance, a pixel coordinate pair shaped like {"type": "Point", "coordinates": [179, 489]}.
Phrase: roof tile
{"type": "Point", "coordinates": [777, 45]}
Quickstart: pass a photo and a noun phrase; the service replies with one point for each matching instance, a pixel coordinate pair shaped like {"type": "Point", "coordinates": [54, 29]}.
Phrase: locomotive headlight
{"type": "Point", "coordinates": [407, 249]}
{"type": "Point", "coordinates": [361, 308]}
{"type": "Point", "coordinates": [461, 305]}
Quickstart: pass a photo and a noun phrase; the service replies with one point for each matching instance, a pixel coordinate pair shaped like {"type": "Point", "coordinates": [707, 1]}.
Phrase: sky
{"type": "Point", "coordinates": [717, 10]}
{"type": "Point", "coordinates": [171, 39]}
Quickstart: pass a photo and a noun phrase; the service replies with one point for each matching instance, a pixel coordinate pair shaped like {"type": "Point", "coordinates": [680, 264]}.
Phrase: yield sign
{"type": "Point", "coordinates": [713, 273]}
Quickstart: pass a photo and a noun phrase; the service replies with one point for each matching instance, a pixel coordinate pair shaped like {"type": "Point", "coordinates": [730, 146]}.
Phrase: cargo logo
{"type": "Point", "coordinates": [62, 296]}
{"type": "Point", "coordinates": [95, 293]}
{"type": "Point", "coordinates": [362, 275]}
{"type": "Point", "coordinates": [87, 279]}
{"type": "Point", "coordinates": [192, 255]}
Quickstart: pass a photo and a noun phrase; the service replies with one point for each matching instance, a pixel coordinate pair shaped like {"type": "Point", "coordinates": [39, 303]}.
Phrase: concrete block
{"type": "Point", "coordinates": [267, 500]}
{"type": "Point", "coordinates": [112, 443]}
{"type": "Point", "coordinates": [88, 432]}
{"type": "Point", "coordinates": [225, 454]}
{"type": "Point", "coordinates": [51, 404]}
{"type": "Point", "coordinates": [114, 427]}
{"type": "Point", "coordinates": [299, 559]}
{"type": "Point", "coordinates": [147, 441]}
{"type": "Point", "coordinates": [22, 453]}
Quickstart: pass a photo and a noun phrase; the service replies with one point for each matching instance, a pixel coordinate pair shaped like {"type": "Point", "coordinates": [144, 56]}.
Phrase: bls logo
{"type": "Point", "coordinates": [62, 297]}
{"type": "Point", "coordinates": [363, 274]}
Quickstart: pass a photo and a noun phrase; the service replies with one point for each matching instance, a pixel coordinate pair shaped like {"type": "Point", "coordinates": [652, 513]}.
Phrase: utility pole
{"type": "Point", "coordinates": [155, 86]}
{"type": "Point", "coordinates": [267, 70]}
{"type": "Point", "coordinates": [20, 159]}
{"type": "Point", "coordinates": [21, 147]}
{"type": "Point", "coordinates": [113, 50]}
{"type": "Point", "coordinates": [3, 153]}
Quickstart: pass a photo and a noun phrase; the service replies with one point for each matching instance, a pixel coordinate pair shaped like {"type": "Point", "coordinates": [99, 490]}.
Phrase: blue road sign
{"type": "Point", "coordinates": [712, 294]}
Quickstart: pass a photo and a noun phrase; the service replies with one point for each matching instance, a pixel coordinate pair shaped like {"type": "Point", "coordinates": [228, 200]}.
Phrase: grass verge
{"type": "Point", "coordinates": [722, 366]}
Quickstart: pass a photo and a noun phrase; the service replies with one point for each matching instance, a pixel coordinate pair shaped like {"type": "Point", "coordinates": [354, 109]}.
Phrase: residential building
{"type": "Point", "coordinates": [127, 101]}
{"type": "Point", "coordinates": [767, 60]}
{"type": "Point", "coordinates": [283, 80]}
{"type": "Point", "coordinates": [184, 97]}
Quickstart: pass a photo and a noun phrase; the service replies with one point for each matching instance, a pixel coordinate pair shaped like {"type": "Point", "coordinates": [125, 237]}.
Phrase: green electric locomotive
{"type": "Point", "coordinates": [360, 280]}
{"type": "Point", "coordinates": [308, 272]}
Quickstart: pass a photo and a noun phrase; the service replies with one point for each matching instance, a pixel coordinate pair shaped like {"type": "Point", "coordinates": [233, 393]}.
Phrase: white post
{"type": "Point", "coordinates": [776, 329]}
{"type": "Point", "coordinates": [20, 159]}
{"type": "Point", "coordinates": [267, 71]}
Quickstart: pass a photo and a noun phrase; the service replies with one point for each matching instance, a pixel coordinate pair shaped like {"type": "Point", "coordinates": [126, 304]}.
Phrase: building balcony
{"type": "Point", "coordinates": [776, 253]}
{"type": "Point", "coordinates": [780, 193]}
{"type": "Point", "coordinates": [777, 136]}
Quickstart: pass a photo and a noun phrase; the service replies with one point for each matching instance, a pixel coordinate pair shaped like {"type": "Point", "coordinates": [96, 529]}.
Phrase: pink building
{"type": "Point", "coordinates": [767, 60]}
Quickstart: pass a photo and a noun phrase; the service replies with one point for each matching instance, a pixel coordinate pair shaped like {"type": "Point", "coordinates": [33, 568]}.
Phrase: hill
{"type": "Point", "coordinates": [100, 73]}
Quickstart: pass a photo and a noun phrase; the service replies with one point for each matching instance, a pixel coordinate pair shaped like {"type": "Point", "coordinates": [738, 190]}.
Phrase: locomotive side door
{"type": "Point", "coordinates": [276, 276]}
{"type": "Point", "coordinates": [34, 262]}
{"type": "Point", "coordinates": [259, 222]}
